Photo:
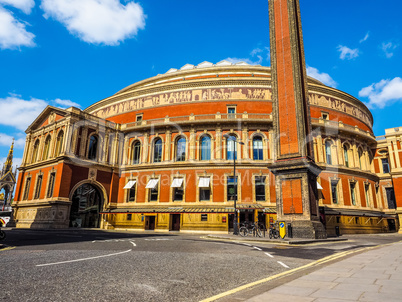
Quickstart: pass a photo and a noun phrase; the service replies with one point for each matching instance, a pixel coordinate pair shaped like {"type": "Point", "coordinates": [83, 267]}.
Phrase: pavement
{"type": "Point", "coordinates": [373, 275]}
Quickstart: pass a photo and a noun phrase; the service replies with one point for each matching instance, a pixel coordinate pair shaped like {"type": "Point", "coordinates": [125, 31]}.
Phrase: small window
{"type": "Point", "coordinates": [152, 185]}
{"type": "Point", "coordinates": [93, 147]}
{"type": "Point", "coordinates": [357, 220]}
{"type": "Point", "coordinates": [231, 188]}
{"type": "Point", "coordinates": [260, 188]}
{"type": "Point", "coordinates": [231, 112]}
{"type": "Point", "coordinates": [50, 187]}
{"type": "Point", "coordinates": [391, 198]}
{"type": "Point", "coordinates": [38, 187]}
{"type": "Point", "coordinates": [181, 149]}
{"type": "Point", "coordinates": [59, 143]}
{"type": "Point", "coordinates": [27, 187]}
{"type": "Point", "coordinates": [328, 155]}
{"type": "Point", "coordinates": [35, 151]}
{"type": "Point", "coordinates": [158, 150]}
{"type": "Point", "coordinates": [46, 149]}
{"type": "Point", "coordinates": [325, 115]}
{"type": "Point", "coordinates": [231, 147]}
{"type": "Point", "coordinates": [257, 148]}
{"type": "Point", "coordinates": [205, 189]}
{"type": "Point", "coordinates": [138, 118]}
{"type": "Point", "coordinates": [338, 219]}
{"type": "Point", "coordinates": [205, 148]}
{"type": "Point", "coordinates": [204, 217]}
{"type": "Point", "coordinates": [334, 191]}
{"type": "Point", "coordinates": [360, 153]}
{"type": "Point", "coordinates": [129, 216]}
{"type": "Point", "coordinates": [353, 193]}
{"type": "Point", "coordinates": [136, 153]}
{"type": "Point", "coordinates": [346, 155]}
{"type": "Point", "coordinates": [367, 191]}
{"type": "Point", "coordinates": [385, 165]}
{"type": "Point", "coordinates": [178, 190]}
{"type": "Point", "coordinates": [131, 188]}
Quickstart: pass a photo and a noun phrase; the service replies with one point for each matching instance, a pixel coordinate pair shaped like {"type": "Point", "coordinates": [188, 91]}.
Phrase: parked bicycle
{"type": "Point", "coordinates": [248, 228]}
{"type": "Point", "coordinates": [274, 230]}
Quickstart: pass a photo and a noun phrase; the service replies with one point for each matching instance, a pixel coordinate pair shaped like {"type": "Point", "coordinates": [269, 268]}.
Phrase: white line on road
{"type": "Point", "coordinates": [133, 243]}
{"type": "Point", "coordinates": [84, 259]}
{"type": "Point", "coordinates": [257, 248]}
{"type": "Point", "coordinates": [283, 264]}
{"type": "Point", "coordinates": [247, 244]}
{"type": "Point", "coordinates": [268, 254]}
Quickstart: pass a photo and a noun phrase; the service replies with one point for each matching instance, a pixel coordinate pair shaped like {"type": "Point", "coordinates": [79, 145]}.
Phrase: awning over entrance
{"type": "Point", "coordinates": [130, 184]}
{"type": "Point", "coordinates": [189, 209]}
{"type": "Point", "coordinates": [352, 212]}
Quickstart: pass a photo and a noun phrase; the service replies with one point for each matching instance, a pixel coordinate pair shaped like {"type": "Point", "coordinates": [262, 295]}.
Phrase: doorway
{"type": "Point", "coordinates": [85, 207]}
{"type": "Point", "coordinates": [150, 223]}
{"type": "Point", "coordinates": [175, 220]}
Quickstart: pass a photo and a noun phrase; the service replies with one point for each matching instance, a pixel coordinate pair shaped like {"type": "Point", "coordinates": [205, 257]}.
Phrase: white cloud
{"type": "Point", "coordinates": [383, 93]}
{"type": "Point", "coordinates": [97, 21]}
{"type": "Point", "coordinates": [388, 49]}
{"type": "Point", "coordinates": [66, 103]}
{"type": "Point", "coordinates": [365, 38]}
{"type": "Point", "coordinates": [256, 57]}
{"type": "Point", "coordinates": [6, 140]}
{"type": "Point", "coordinates": [347, 53]}
{"type": "Point", "coordinates": [12, 32]}
{"type": "Point", "coordinates": [24, 5]}
{"type": "Point", "coordinates": [247, 60]}
{"type": "Point", "coordinates": [321, 76]}
{"type": "Point", "coordinates": [20, 113]}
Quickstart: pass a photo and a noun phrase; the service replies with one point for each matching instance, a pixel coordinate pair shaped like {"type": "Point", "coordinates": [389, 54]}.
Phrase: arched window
{"type": "Point", "coordinates": [181, 149]}
{"type": "Point", "coordinates": [46, 148]}
{"type": "Point", "coordinates": [346, 155]}
{"type": "Point", "coordinates": [136, 152]}
{"type": "Point", "coordinates": [360, 153]}
{"type": "Point", "coordinates": [157, 150]}
{"type": "Point", "coordinates": [328, 156]}
{"type": "Point", "coordinates": [257, 148]}
{"type": "Point", "coordinates": [205, 148]}
{"type": "Point", "coordinates": [35, 151]}
{"type": "Point", "coordinates": [59, 143]}
{"type": "Point", "coordinates": [93, 147]}
{"type": "Point", "coordinates": [231, 147]}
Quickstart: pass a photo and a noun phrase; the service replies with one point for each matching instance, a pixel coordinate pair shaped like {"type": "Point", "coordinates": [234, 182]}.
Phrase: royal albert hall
{"type": "Point", "coordinates": [173, 153]}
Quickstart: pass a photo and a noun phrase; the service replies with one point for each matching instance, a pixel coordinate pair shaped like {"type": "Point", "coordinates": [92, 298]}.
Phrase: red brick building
{"type": "Point", "coordinates": [154, 156]}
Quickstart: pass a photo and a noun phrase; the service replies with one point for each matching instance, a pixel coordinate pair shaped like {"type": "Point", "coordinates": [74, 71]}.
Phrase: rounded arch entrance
{"type": "Point", "coordinates": [87, 201]}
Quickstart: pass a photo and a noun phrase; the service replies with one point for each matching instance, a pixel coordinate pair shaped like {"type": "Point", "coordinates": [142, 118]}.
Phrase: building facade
{"type": "Point", "coordinates": [159, 155]}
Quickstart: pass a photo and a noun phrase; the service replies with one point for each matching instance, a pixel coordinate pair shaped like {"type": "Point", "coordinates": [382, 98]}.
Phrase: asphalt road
{"type": "Point", "coordinates": [95, 265]}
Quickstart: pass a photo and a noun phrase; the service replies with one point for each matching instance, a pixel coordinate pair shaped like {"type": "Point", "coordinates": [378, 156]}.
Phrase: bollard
{"type": "Point", "coordinates": [290, 231]}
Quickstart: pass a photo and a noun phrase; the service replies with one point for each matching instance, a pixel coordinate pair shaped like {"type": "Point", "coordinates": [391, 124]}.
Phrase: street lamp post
{"type": "Point", "coordinates": [233, 139]}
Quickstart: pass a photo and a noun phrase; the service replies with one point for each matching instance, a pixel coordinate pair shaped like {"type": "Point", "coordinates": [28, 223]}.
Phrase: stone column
{"type": "Point", "coordinates": [294, 167]}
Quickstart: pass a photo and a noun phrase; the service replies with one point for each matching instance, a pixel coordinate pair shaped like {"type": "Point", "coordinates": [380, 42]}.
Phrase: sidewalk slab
{"type": "Point", "coordinates": [374, 275]}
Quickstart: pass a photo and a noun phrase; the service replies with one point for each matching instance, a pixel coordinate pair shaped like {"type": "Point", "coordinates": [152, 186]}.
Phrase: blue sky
{"type": "Point", "coordinates": [77, 52]}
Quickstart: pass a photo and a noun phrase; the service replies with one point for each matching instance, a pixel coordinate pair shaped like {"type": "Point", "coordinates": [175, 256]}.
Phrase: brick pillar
{"type": "Point", "coordinates": [294, 167]}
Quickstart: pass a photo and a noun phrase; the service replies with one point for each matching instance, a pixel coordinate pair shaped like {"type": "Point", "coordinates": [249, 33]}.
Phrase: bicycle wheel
{"type": "Point", "coordinates": [243, 231]}
{"type": "Point", "coordinates": [258, 232]}
{"type": "Point", "coordinates": [276, 234]}
{"type": "Point", "coordinates": [2, 235]}
{"type": "Point", "coordinates": [270, 234]}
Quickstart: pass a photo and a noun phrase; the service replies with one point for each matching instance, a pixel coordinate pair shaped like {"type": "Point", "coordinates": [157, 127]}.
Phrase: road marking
{"type": "Point", "coordinates": [157, 239]}
{"type": "Point", "coordinates": [283, 264]}
{"type": "Point", "coordinates": [8, 248]}
{"type": "Point", "coordinates": [288, 272]}
{"type": "Point", "coordinates": [257, 248]}
{"type": "Point", "coordinates": [269, 255]}
{"type": "Point", "coordinates": [133, 243]}
{"type": "Point", "coordinates": [84, 259]}
{"type": "Point", "coordinates": [246, 244]}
